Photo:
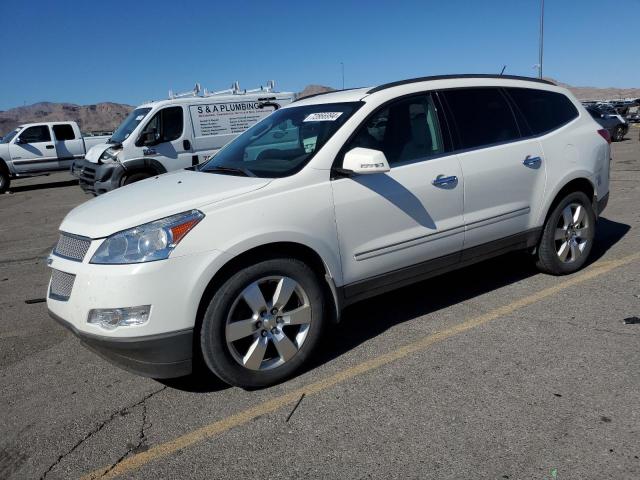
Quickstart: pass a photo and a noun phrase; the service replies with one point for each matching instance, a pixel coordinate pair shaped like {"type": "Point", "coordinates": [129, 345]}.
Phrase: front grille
{"type": "Point", "coordinates": [72, 247]}
{"type": "Point", "coordinates": [61, 285]}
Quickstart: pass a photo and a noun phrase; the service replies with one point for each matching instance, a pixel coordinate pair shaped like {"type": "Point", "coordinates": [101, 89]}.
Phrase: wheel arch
{"type": "Point", "coordinates": [575, 184]}
{"type": "Point", "coordinates": [142, 165]}
{"type": "Point", "coordinates": [266, 251]}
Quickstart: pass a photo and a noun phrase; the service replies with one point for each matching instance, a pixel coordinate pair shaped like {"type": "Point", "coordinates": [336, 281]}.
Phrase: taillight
{"type": "Point", "coordinates": [605, 134]}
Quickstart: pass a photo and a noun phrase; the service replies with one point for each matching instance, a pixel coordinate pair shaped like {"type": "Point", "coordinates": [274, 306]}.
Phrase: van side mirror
{"type": "Point", "coordinates": [364, 161]}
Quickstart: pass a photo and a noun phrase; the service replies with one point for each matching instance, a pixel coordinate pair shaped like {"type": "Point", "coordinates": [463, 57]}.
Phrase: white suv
{"type": "Point", "coordinates": [243, 262]}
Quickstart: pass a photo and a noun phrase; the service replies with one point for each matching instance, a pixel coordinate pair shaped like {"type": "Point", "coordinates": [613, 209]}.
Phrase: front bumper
{"type": "Point", "coordinates": [160, 348]}
{"type": "Point", "coordinates": [95, 178]}
{"type": "Point", "coordinates": [166, 355]}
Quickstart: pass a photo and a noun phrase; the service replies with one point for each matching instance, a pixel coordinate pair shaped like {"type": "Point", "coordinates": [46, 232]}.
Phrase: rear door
{"type": "Point", "coordinates": [33, 150]}
{"type": "Point", "coordinates": [69, 146]}
{"type": "Point", "coordinates": [174, 149]}
{"type": "Point", "coordinates": [504, 172]}
{"type": "Point", "coordinates": [389, 223]}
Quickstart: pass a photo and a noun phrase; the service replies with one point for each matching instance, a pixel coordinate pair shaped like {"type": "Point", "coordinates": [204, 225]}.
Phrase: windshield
{"type": "Point", "coordinates": [9, 136]}
{"type": "Point", "coordinates": [129, 125]}
{"type": "Point", "coordinates": [282, 143]}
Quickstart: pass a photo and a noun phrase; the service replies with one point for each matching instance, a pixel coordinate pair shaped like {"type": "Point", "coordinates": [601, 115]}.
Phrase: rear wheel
{"type": "Point", "coordinates": [568, 235]}
{"type": "Point", "coordinates": [5, 181]}
{"type": "Point", "coordinates": [263, 323]}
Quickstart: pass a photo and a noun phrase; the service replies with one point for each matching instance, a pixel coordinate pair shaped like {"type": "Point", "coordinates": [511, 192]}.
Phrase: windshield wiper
{"type": "Point", "coordinates": [230, 171]}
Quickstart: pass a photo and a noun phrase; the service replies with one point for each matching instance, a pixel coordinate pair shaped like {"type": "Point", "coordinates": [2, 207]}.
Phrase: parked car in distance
{"type": "Point", "coordinates": [173, 134]}
{"type": "Point", "coordinates": [38, 148]}
{"type": "Point", "coordinates": [617, 129]}
{"type": "Point", "coordinates": [243, 262]}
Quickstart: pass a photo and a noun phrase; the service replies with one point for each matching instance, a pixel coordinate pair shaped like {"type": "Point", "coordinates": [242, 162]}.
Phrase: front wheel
{"type": "Point", "coordinates": [567, 236]}
{"type": "Point", "coordinates": [263, 323]}
{"type": "Point", "coordinates": [5, 181]}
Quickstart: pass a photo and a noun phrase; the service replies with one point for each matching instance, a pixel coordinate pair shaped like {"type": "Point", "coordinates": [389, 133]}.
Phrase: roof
{"type": "Point", "coordinates": [442, 81]}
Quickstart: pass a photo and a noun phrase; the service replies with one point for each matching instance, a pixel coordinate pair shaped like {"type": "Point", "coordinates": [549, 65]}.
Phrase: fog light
{"type": "Point", "coordinates": [110, 318]}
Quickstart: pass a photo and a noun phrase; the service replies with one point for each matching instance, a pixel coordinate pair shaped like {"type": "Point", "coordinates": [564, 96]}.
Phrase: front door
{"type": "Point", "coordinates": [173, 147]}
{"type": "Point", "coordinates": [390, 222]}
{"type": "Point", "coordinates": [33, 151]}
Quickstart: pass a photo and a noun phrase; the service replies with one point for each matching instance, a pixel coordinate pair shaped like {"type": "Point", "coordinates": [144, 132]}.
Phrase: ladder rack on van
{"type": "Point", "coordinates": [234, 90]}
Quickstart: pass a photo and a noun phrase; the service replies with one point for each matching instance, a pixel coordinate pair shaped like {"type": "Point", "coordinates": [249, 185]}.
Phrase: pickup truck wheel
{"type": "Point", "coordinates": [263, 323]}
{"type": "Point", "coordinates": [135, 177]}
{"type": "Point", "coordinates": [618, 134]}
{"type": "Point", "coordinates": [567, 237]}
{"type": "Point", "coordinates": [5, 181]}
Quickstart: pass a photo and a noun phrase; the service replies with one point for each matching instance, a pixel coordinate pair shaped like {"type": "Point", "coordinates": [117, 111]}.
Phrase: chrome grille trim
{"type": "Point", "coordinates": [61, 285]}
{"type": "Point", "coordinates": [72, 247]}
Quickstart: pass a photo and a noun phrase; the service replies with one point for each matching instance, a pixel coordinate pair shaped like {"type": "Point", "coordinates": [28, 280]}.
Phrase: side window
{"type": "Point", "coordinates": [405, 130]}
{"type": "Point", "coordinates": [544, 111]}
{"type": "Point", "coordinates": [482, 115]}
{"type": "Point", "coordinates": [39, 133]}
{"type": "Point", "coordinates": [168, 124]}
{"type": "Point", "coordinates": [63, 132]}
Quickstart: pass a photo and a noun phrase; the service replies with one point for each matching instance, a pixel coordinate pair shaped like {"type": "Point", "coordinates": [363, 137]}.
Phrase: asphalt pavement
{"type": "Point", "coordinates": [494, 371]}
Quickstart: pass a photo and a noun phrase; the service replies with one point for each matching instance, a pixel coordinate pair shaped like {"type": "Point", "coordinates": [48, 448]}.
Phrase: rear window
{"type": "Point", "coordinates": [63, 132]}
{"type": "Point", "coordinates": [482, 116]}
{"type": "Point", "coordinates": [544, 111]}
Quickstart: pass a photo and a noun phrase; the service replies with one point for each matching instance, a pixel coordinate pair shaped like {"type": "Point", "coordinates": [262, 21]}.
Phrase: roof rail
{"type": "Point", "coordinates": [236, 90]}
{"type": "Point", "coordinates": [464, 75]}
{"type": "Point", "coordinates": [191, 93]}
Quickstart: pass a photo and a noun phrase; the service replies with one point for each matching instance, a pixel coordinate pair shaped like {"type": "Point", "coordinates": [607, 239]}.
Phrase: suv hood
{"type": "Point", "coordinates": [154, 198]}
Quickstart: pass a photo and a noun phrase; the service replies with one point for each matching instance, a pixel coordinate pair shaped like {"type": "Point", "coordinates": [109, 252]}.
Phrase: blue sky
{"type": "Point", "coordinates": [130, 52]}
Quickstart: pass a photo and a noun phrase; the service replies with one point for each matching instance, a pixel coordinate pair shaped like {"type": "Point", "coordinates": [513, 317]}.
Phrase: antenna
{"type": "Point", "coordinates": [503, 69]}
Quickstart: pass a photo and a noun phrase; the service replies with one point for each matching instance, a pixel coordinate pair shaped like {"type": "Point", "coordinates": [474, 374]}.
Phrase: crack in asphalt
{"type": "Point", "coordinates": [103, 424]}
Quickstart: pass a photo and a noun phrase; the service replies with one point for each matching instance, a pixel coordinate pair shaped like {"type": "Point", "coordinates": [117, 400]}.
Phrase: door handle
{"type": "Point", "coordinates": [443, 181]}
{"type": "Point", "coordinates": [533, 162]}
{"type": "Point", "coordinates": [186, 144]}
{"type": "Point", "coordinates": [49, 147]}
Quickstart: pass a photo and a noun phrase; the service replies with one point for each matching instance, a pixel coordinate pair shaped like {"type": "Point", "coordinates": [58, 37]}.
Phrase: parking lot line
{"type": "Point", "coordinates": [279, 402]}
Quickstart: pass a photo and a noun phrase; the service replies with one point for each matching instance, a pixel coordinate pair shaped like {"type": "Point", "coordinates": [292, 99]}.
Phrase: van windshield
{"type": "Point", "coordinates": [129, 125]}
{"type": "Point", "coordinates": [282, 143]}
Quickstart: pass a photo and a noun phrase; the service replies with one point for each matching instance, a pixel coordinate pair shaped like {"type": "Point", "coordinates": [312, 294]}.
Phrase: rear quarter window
{"type": "Point", "coordinates": [543, 111]}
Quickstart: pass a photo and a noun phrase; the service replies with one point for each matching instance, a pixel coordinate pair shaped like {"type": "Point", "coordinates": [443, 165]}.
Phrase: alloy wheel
{"type": "Point", "coordinates": [573, 232]}
{"type": "Point", "coordinates": [268, 322]}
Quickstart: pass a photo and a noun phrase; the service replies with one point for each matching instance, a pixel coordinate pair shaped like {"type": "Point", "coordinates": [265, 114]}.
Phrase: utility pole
{"type": "Point", "coordinates": [342, 67]}
{"type": "Point", "coordinates": [541, 38]}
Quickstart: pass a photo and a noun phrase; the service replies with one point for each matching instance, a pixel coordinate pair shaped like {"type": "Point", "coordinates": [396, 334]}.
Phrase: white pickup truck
{"type": "Point", "coordinates": [38, 148]}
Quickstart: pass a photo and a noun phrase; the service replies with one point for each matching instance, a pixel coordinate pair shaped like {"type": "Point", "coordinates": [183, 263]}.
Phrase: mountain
{"type": "Point", "coordinates": [91, 118]}
{"type": "Point", "coordinates": [108, 115]}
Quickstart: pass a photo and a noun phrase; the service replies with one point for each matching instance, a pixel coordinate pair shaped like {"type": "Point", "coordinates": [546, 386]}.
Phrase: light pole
{"type": "Point", "coordinates": [342, 67]}
{"type": "Point", "coordinates": [541, 38]}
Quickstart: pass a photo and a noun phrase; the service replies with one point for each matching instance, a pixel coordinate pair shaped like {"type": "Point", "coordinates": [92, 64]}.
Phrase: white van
{"type": "Point", "coordinates": [180, 132]}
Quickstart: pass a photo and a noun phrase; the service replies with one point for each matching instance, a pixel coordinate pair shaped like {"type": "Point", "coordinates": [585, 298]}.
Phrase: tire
{"type": "Point", "coordinates": [135, 177]}
{"type": "Point", "coordinates": [5, 181]}
{"type": "Point", "coordinates": [567, 236]}
{"type": "Point", "coordinates": [263, 348]}
{"type": "Point", "coordinates": [618, 134]}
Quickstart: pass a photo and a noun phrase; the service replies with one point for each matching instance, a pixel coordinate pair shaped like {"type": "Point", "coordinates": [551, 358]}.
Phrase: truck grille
{"type": "Point", "coordinates": [72, 247]}
{"type": "Point", "coordinates": [61, 285]}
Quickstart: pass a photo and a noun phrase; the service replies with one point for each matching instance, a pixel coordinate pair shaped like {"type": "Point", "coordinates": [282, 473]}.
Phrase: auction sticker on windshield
{"type": "Point", "coordinates": [323, 117]}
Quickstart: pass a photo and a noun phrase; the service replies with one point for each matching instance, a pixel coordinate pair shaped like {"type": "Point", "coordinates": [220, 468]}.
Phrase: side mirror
{"type": "Point", "coordinates": [20, 141]}
{"type": "Point", "coordinates": [364, 161]}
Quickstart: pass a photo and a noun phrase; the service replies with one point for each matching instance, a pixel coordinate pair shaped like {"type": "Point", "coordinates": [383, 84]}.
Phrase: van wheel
{"type": "Point", "coordinates": [5, 181]}
{"type": "Point", "coordinates": [135, 177]}
{"type": "Point", "coordinates": [263, 323]}
{"type": "Point", "coordinates": [567, 237]}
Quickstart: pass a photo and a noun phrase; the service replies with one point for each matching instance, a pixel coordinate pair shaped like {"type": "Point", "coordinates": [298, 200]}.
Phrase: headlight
{"type": "Point", "coordinates": [110, 155]}
{"type": "Point", "coordinates": [148, 242]}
